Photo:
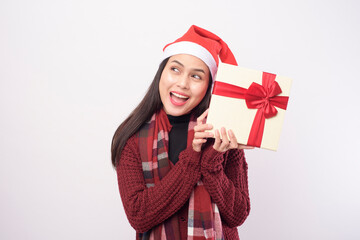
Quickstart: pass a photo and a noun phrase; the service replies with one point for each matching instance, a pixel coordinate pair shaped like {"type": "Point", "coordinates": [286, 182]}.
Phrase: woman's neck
{"type": "Point", "coordinates": [179, 119]}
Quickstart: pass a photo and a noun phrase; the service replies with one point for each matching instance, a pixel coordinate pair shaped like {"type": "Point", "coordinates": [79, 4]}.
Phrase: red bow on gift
{"type": "Point", "coordinates": [262, 97]}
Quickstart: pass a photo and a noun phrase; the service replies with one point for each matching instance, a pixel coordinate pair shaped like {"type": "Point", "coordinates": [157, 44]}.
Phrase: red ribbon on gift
{"type": "Point", "coordinates": [261, 97]}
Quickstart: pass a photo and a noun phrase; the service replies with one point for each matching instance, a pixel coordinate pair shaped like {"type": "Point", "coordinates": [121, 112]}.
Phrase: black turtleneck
{"type": "Point", "coordinates": [178, 136]}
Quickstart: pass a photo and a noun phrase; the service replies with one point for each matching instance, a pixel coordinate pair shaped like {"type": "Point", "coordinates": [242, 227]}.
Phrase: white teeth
{"type": "Point", "coordinates": [179, 96]}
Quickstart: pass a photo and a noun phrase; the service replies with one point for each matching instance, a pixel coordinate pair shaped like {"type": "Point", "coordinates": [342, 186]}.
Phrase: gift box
{"type": "Point", "coordinates": [251, 103]}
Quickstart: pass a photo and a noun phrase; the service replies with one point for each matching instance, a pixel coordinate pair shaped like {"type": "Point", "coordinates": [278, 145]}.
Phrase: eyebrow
{"type": "Point", "coordinates": [195, 69]}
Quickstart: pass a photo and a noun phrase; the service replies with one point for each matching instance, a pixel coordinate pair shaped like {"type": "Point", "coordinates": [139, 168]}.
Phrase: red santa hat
{"type": "Point", "coordinates": [204, 45]}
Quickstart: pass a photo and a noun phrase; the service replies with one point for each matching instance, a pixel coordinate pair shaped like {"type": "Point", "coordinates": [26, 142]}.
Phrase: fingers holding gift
{"type": "Point", "coordinates": [201, 129]}
{"type": "Point", "coordinates": [227, 141]}
{"type": "Point", "coordinates": [222, 143]}
{"type": "Point", "coordinates": [233, 140]}
{"type": "Point", "coordinates": [242, 146]}
{"type": "Point", "coordinates": [235, 144]}
{"type": "Point", "coordinates": [200, 132]}
{"type": "Point", "coordinates": [217, 142]}
{"type": "Point", "coordinates": [202, 117]}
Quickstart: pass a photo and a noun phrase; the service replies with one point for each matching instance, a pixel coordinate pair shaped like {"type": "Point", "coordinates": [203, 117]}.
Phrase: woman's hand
{"type": "Point", "coordinates": [200, 136]}
{"type": "Point", "coordinates": [221, 144]}
{"type": "Point", "coordinates": [227, 142]}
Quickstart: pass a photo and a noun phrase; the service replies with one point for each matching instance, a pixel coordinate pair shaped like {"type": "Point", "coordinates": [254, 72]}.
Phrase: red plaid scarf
{"type": "Point", "coordinates": [204, 219]}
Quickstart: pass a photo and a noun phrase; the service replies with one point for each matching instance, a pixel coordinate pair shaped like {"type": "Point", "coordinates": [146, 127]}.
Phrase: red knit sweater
{"type": "Point", "coordinates": [224, 175]}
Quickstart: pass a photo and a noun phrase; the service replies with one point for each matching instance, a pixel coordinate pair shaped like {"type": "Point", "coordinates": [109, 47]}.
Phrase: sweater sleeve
{"type": "Point", "coordinates": [147, 207]}
{"type": "Point", "coordinates": [225, 177]}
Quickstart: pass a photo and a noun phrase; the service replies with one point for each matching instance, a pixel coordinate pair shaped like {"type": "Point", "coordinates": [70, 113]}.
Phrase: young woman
{"type": "Point", "coordinates": [176, 179]}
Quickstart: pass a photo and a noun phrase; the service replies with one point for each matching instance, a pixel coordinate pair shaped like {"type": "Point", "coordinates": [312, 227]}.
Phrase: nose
{"type": "Point", "coordinates": [183, 82]}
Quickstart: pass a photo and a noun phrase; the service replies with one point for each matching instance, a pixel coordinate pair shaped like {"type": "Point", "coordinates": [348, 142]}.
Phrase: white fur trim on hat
{"type": "Point", "coordinates": [194, 49]}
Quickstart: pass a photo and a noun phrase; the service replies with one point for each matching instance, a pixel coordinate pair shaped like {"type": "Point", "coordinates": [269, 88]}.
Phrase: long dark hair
{"type": "Point", "coordinates": [150, 104]}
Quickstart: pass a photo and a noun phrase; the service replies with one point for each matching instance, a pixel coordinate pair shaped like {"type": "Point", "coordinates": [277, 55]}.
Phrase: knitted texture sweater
{"type": "Point", "coordinates": [224, 175]}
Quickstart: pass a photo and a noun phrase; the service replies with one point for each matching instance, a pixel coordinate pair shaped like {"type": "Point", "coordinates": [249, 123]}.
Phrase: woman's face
{"type": "Point", "coordinates": [183, 84]}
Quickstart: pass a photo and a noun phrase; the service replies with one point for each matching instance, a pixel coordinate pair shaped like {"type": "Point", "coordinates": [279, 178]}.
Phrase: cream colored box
{"type": "Point", "coordinates": [233, 113]}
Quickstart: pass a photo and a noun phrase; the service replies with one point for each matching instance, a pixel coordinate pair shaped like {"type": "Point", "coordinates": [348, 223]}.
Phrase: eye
{"type": "Point", "coordinates": [175, 69]}
{"type": "Point", "coordinates": [196, 76]}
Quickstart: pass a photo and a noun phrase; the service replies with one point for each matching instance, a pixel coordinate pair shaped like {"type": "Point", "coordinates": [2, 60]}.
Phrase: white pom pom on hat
{"type": "Point", "coordinates": [202, 44]}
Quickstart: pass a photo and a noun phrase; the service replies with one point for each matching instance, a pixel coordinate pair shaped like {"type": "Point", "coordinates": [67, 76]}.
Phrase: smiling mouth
{"type": "Point", "coordinates": [178, 99]}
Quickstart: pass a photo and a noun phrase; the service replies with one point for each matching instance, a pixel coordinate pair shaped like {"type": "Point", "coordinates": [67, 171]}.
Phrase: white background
{"type": "Point", "coordinates": [71, 71]}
